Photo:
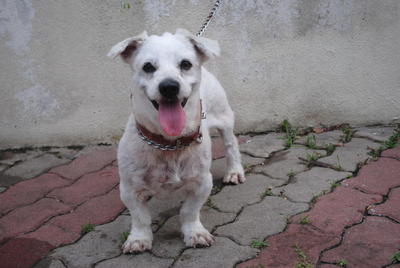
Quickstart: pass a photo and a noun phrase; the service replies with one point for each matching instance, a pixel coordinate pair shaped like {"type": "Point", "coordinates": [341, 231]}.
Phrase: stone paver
{"type": "Point", "coordinates": [285, 163]}
{"type": "Point", "coordinates": [35, 166]}
{"type": "Point", "coordinates": [390, 207]}
{"type": "Point", "coordinates": [9, 158]}
{"type": "Point", "coordinates": [143, 260]}
{"type": "Point", "coordinates": [102, 243]}
{"type": "Point", "coordinates": [37, 188]}
{"type": "Point", "coordinates": [233, 197]}
{"type": "Point", "coordinates": [351, 154]}
{"type": "Point", "coordinates": [370, 244]}
{"type": "Point", "coordinates": [379, 134]}
{"type": "Point", "coordinates": [250, 225]}
{"type": "Point", "coordinates": [377, 177]}
{"type": "Point", "coordinates": [168, 241]}
{"type": "Point", "coordinates": [307, 185]}
{"type": "Point", "coordinates": [323, 139]}
{"type": "Point", "coordinates": [263, 145]}
{"type": "Point", "coordinates": [41, 218]}
{"type": "Point", "coordinates": [223, 253]}
{"type": "Point", "coordinates": [91, 161]}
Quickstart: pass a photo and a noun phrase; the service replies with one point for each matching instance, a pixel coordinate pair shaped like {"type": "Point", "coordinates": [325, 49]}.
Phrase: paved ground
{"type": "Point", "coordinates": [311, 205]}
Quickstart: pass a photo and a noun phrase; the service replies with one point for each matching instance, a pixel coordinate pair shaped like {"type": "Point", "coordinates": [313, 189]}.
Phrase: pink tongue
{"type": "Point", "coordinates": [171, 117]}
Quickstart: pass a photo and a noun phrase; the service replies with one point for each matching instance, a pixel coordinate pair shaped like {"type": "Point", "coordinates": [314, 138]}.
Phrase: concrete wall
{"type": "Point", "coordinates": [310, 61]}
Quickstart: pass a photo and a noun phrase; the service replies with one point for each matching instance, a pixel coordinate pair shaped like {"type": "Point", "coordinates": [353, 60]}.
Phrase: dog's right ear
{"type": "Point", "coordinates": [127, 47]}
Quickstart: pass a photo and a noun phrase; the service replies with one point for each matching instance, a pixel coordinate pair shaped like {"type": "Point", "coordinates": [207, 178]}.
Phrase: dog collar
{"type": "Point", "coordinates": [159, 142]}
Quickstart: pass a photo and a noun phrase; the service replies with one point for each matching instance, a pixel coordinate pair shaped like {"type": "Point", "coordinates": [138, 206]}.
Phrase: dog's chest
{"type": "Point", "coordinates": [167, 173]}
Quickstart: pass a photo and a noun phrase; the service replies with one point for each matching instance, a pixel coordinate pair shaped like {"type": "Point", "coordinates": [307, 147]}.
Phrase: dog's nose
{"type": "Point", "coordinates": [169, 88]}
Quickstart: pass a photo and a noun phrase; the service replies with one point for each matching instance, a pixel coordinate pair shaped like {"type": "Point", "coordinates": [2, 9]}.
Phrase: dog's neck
{"type": "Point", "coordinates": [171, 144]}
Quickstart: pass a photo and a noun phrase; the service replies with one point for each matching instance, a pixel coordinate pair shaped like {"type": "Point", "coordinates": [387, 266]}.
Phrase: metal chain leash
{"type": "Point", "coordinates": [209, 18]}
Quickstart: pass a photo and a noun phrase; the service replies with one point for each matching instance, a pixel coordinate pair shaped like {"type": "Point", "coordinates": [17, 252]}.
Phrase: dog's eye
{"type": "Point", "coordinates": [149, 68]}
{"type": "Point", "coordinates": [185, 65]}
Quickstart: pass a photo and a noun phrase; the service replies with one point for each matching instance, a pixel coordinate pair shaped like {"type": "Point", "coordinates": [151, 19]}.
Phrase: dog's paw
{"type": "Point", "coordinates": [135, 245]}
{"type": "Point", "coordinates": [199, 239]}
{"type": "Point", "coordinates": [195, 235]}
{"type": "Point", "coordinates": [234, 177]}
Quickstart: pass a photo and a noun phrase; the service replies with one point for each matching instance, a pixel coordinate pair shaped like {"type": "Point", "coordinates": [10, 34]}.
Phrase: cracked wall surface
{"type": "Point", "coordinates": [307, 61]}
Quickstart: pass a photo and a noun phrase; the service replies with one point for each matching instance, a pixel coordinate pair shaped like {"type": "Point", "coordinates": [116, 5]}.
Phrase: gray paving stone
{"type": "Point", "coordinates": [218, 168]}
{"type": "Point", "coordinates": [323, 139]}
{"type": "Point", "coordinates": [168, 241]}
{"type": "Point", "coordinates": [6, 181]}
{"type": "Point", "coordinates": [251, 161]}
{"type": "Point", "coordinates": [223, 253]}
{"type": "Point", "coordinates": [352, 153]}
{"type": "Point", "coordinates": [65, 152]}
{"type": "Point", "coordinates": [102, 243]}
{"type": "Point", "coordinates": [3, 167]}
{"type": "Point", "coordinates": [140, 260]}
{"type": "Point", "coordinates": [311, 183]}
{"type": "Point", "coordinates": [2, 189]}
{"type": "Point", "coordinates": [233, 197]}
{"type": "Point", "coordinates": [263, 145]}
{"type": "Point", "coordinates": [49, 263]}
{"type": "Point", "coordinates": [10, 158]}
{"type": "Point", "coordinates": [261, 220]}
{"type": "Point", "coordinates": [285, 162]}
{"type": "Point", "coordinates": [35, 166]}
{"type": "Point", "coordinates": [163, 209]}
{"type": "Point", "coordinates": [379, 134]}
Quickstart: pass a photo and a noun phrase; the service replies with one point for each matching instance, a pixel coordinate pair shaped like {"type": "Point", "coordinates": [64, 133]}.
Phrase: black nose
{"type": "Point", "coordinates": [169, 88]}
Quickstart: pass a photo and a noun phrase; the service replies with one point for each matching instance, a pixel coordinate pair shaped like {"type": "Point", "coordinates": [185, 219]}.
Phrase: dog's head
{"type": "Point", "coordinates": [166, 74]}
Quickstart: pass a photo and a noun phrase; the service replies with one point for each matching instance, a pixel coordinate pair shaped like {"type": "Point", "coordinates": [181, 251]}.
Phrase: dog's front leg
{"type": "Point", "coordinates": [141, 236]}
{"type": "Point", "coordinates": [234, 173]}
{"type": "Point", "coordinates": [192, 229]}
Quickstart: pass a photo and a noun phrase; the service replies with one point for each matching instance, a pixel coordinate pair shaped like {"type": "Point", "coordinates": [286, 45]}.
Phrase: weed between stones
{"type": "Point", "coordinates": [258, 244]}
{"type": "Point", "coordinates": [303, 260]}
{"type": "Point", "coordinates": [396, 258]}
{"type": "Point", "coordinates": [388, 144]}
{"type": "Point", "coordinates": [305, 220]}
{"type": "Point", "coordinates": [290, 133]}
{"type": "Point", "coordinates": [87, 228]}
{"type": "Point", "coordinates": [342, 263]}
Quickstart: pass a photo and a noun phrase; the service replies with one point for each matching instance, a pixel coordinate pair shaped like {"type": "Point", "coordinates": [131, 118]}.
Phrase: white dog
{"type": "Point", "coordinates": [166, 145]}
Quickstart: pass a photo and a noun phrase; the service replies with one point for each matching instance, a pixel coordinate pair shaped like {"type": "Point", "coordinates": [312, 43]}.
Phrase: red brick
{"type": "Point", "coordinates": [370, 244]}
{"type": "Point", "coordinates": [281, 252]}
{"type": "Point", "coordinates": [97, 210]}
{"type": "Point", "coordinates": [53, 235]}
{"type": "Point", "coordinates": [391, 207]}
{"type": "Point", "coordinates": [343, 207]}
{"type": "Point", "coordinates": [27, 218]}
{"type": "Point", "coordinates": [86, 163]}
{"type": "Point", "coordinates": [377, 177]}
{"type": "Point", "coordinates": [393, 153]}
{"type": "Point", "coordinates": [23, 252]}
{"type": "Point", "coordinates": [29, 191]}
{"type": "Point", "coordinates": [88, 186]}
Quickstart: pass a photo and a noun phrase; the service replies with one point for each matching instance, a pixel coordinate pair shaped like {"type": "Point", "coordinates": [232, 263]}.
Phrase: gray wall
{"type": "Point", "coordinates": [310, 61]}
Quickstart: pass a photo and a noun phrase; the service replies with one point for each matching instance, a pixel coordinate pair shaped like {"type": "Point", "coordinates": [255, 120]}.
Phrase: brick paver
{"type": "Point", "coordinates": [37, 188]}
{"type": "Point", "coordinates": [90, 162]}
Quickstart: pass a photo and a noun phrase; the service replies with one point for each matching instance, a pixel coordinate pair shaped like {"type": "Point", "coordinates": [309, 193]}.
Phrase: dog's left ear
{"type": "Point", "coordinates": [205, 48]}
{"type": "Point", "coordinates": [127, 47]}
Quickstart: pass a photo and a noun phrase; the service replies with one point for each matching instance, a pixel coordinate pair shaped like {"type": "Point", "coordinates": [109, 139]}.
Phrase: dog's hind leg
{"type": "Point", "coordinates": [194, 232]}
{"type": "Point", "coordinates": [141, 236]}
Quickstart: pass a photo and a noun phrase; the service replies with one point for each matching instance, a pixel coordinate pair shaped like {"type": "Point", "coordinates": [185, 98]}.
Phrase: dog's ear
{"type": "Point", "coordinates": [127, 47]}
{"type": "Point", "coordinates": [205, 48]}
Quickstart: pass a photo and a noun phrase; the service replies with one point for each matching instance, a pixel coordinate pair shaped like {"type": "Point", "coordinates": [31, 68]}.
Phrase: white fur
{"type": "Point", "coordinates": [146, 171]}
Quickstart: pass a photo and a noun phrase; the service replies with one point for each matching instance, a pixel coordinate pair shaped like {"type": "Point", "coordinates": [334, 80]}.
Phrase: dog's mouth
{"type": "Point", "coordinates": [157, 105]}
{"type": "Point", "coordinates": [171, 115]}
